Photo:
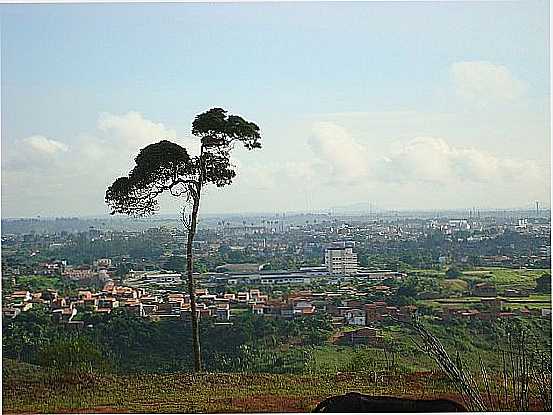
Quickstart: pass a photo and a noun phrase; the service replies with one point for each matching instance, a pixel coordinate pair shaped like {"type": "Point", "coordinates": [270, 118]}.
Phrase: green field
{"type": "Point", "coordinates": [504, 278]}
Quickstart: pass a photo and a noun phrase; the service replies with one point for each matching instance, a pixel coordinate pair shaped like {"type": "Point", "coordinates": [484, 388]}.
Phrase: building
{"type": "Point", "coordinates": [340, 259]}
{"type": "Point", "coordinates": [364, 335]}
{"type": "Point", "coordinates": [484, 289]}
{"type": "Point", "coordinates": [355, 317]}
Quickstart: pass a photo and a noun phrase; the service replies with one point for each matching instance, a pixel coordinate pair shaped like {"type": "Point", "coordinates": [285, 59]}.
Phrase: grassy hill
{"type": "Point", "coordinates": [28, 388]}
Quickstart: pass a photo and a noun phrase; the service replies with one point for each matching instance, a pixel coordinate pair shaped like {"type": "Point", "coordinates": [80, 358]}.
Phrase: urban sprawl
{"type": "Point", "coordinates": [357, 269]}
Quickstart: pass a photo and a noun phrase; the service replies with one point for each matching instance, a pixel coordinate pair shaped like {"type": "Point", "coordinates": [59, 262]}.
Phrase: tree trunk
{"type": "Point", "coordinates": [191, 286]}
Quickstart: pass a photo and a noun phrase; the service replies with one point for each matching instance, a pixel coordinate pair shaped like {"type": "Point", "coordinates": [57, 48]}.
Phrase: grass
{"type": "Point", "coordinates": [504, 278]}
{"type": "Point", "coordinates": [32, 389]}
{"type": "Point", "coordinates": [454, 285]}
{"type": "Point", "coordinates": [532, 301]}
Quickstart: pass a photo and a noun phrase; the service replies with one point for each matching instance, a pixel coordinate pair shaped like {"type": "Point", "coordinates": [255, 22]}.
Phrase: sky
{"type": "Point", "coordinates": [404, 105]}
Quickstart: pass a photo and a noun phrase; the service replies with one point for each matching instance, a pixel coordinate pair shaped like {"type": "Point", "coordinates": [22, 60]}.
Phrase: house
{"type": "Point", "coordinates": [514, 293]}
{"type": "Point", "coordinates": [304, 308]}
{"type": "Point", "coordinates": [469, 314]}
{"type": "Point", "coordinates": [108, 302]}
{"type": "Point", "coordinates": [10, 312]}
{"type": "Point", "coordinates": [175, 298]}
{"type": "Point", "coordinates": [449, 313]}
{"type": "Point", "coordinates": [287, 312]}
{"type": "Point", "coordinates": [59, 302]}
{"type": "Point", "coordinates": [85, 295]}
{"type": "Point", "coordinates": [102, 263]}
{"type": "Point", "coordinates": [37, 298]}
{"type": "Point", "coordinates": [363, 335]}
{"type": "Point", "coordinates": [406, 312]}
{"type": "Point", "coordinates": [21, 296]}
{"type": "Point", "coordinates": [135, 308]}
{"type": "Point", "coordinates": [262, 298]}
{"type": "Point", "coordinates": [186, 312]}
{"type": "Point", "coordinates": [273, 308]}
{"type": "Point", "coordinates": [125, 292]}
{"type": "Point", "coordinates": [355, 317]}
{"type": "Point", "coordinates": [65, 314]}
{"type": "Point", "coordinates": [109, 287]}
{"type": "Point", "coordinates": [90, 303]}
{"type": "Point", "coordinates": [149, 309]}
{"type": "Point", "coordinates": [354, 304]}
{"type": "Point", "coordinates": [258, 309]}
{"type": "Point", "coordinates": [223, 312]}
{"type": "Point", "coordinates": [205, 312]}
{"type": "Point", "coordinates": [149, 300]}
{"type": "Point", "coordinates": [78, 273]}
{"type": "Point", "coordinates": [171, 307]}
{"type": "Point", "coordinates": [23, 306]}
{"type": "Point", "coordinates": [484, 289]}
{"type": "Point", "coordinates": [201, 291]}
{"type": "Point", "coordinates": [243, 297]}
{"type": "Point", "coordinates": [372, 313]}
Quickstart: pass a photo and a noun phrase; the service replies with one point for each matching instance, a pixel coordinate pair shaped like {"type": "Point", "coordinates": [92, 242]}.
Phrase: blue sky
{"type": "Point", "coordinates": [415, 104]}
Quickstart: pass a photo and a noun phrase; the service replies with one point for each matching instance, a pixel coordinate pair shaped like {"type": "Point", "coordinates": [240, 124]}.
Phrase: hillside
{"type": "Point", "coordinates": [48, 391]}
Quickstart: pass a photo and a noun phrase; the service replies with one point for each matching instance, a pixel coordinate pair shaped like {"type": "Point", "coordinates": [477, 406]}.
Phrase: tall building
{"type": "Point", "coordinates": [340, 259]}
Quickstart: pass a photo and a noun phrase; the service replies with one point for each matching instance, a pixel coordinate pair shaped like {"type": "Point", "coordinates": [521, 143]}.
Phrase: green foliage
{"type": "Point", "coordinates": [24, 336]}
{"type": "Point", "coordinates": [453, 272]}
{"type": "Point", "coordinates": [218, 130]}
{"type": "Point", "coordinates": [167, 167]}
{"type": "Point", "coordinates": [543, 283]}
{"type": "Point", "coordinates": [72, 354]}
{"type": "Point", "coordinates": [175, 263]}
{"type": "Point", "coordinates": [36, 283]}
{"type": "Point", "coordinates": [134, 344]}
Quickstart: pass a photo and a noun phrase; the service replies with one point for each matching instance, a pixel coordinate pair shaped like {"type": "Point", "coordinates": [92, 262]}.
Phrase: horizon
{"type": "Point", "coordinates": [382, 212]}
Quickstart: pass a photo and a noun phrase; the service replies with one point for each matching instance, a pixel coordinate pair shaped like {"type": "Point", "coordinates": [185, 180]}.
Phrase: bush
{"type": "Point", "coordinates": [72, 354]}
{"type": "Point", "coordinates": [453, 272]}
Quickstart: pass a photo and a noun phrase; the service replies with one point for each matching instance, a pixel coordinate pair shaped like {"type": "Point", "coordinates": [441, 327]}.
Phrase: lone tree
{"type": "Point", "coordinates": [166, 167]}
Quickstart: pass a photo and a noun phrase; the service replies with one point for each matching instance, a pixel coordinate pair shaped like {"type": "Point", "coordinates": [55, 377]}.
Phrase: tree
{"type": "Point", "coordinates": [543, 283]}
{"type": "Point", "coordinates": [453, 272]}
{"type": "Point", "coordinates": [166, 167]}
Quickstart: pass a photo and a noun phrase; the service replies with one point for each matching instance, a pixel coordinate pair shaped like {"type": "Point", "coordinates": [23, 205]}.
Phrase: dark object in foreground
{"type": "Point", "coordinates": [356, 402]}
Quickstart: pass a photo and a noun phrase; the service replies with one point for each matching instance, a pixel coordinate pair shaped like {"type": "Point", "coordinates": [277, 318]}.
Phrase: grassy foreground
{"type": "Point", "coordinates": [32, 389]}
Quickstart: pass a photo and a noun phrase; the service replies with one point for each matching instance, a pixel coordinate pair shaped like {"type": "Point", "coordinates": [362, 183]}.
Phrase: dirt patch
{"type": "Point", "coordinates": [266, 403]}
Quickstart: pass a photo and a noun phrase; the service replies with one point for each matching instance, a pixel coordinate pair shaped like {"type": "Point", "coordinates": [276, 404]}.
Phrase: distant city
{"type": "Point", "coordinates": [244, 262]}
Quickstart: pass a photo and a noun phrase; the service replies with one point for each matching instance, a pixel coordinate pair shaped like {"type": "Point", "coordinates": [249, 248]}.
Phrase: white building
{"type": "Point", "coordinates": [341, 260]}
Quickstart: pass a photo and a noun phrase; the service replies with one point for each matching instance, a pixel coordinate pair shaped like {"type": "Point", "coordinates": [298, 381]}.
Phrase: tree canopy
{"type": "Point", "coordinates": [167, 167]}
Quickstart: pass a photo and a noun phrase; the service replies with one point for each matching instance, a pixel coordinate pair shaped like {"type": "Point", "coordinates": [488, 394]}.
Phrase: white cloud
{"type": "Point", "coordinates": [484, 82]}
{"type": "Point", "coordinates": [36, 153]}
{"type": "Point", "coordinates": [41, 144]}
{"type": "Point", "coordinates": [343, 164]}
{"type": "Point", "coordinates": [133, 129]}
{"type": "Point", "coordinates": [84, 170]}
{"type": "Point", "coordinates": [430, 159]}
{"type": "Point", "coordinates": [345, 158]}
